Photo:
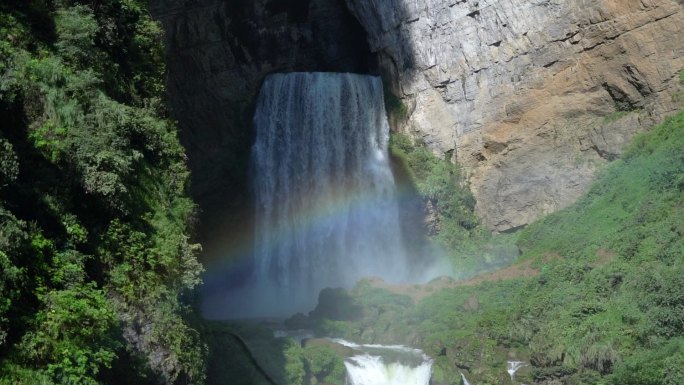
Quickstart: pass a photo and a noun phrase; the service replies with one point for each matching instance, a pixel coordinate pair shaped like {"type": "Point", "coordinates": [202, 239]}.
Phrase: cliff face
{"type": "Point", "coordinates": [530, 96]}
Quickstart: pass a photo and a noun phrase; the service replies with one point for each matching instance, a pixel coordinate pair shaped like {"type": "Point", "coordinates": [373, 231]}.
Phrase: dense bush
{"type": "Point", "coordinates": [94, 217]}
{"type": "Point", "coordinates": [313, 365]}
{"type": "Point", "coordinates": [325, 365]}
{"type": "Point", "coordinates": [662, 366]}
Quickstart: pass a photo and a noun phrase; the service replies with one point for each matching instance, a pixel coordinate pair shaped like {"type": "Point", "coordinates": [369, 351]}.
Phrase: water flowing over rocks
{"type": "Point", "coordinates": [386, 365]}
{"type": "Point", "coordinates": [531, 96]}
{"type": "Point", "coordinates": [326, 207]}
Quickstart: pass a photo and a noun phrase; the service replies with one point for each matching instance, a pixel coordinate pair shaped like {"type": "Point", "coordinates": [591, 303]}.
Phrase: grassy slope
{"type": "Point", "coordinates": [607, 307]}
{"type": "Point", "coordinates": [611, 290]}
{"type": "Point", "coordinates": [617, 295]}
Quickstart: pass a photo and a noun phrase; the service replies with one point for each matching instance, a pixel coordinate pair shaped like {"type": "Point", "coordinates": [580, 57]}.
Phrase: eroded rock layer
{"type": "Point", "coordinates": [532, 96]}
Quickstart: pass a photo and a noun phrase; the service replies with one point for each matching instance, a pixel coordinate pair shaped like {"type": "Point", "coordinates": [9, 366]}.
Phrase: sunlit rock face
{"type": "Point", "coordinates": [519, 90]}
{"type": "Point", "coordinates": [525, 92]}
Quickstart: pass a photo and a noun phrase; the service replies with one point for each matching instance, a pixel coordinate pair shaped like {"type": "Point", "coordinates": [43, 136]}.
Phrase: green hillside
{"type": "Point", "coordinates": [605, 307]}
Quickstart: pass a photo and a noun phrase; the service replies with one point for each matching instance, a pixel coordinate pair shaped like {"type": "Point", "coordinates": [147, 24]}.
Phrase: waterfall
{"type": "Point", "coordinates": [326, 211]}
{"type": "Point", "coordinates": [387, 365]}
{"type": "Point", "coordinates": [464, 380]}
{"type": "Point", "coordinates": [513, 367]}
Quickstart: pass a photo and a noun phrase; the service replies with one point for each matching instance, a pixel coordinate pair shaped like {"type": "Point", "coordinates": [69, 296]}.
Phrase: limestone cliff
{"type": "Point", "coordinates": [532, 96]}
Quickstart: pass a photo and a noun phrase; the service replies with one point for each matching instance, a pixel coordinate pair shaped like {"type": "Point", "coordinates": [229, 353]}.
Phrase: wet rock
{"type": "Point", "coordinates": [336, 304]}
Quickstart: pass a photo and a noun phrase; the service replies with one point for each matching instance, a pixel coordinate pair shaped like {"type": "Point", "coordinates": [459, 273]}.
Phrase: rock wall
{"type": "Point", "coordinates": [531, 96]}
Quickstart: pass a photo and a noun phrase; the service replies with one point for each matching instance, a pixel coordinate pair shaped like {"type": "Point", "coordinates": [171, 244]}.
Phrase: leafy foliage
{"type": "Point", "coordinates": [395, 107]}
{"type": "Point", "coordinates": [653, 367]}
{"type": "Point", "coordinates": [294, 365]}
{"type": "Point", "coordinates": [446, 196]}
{"type": "Point", "coordinates": [324, 364]}
{"type": "Point", "coordinates": [94, 216]}
{"type": "Point", "coordinates": [9, 166]}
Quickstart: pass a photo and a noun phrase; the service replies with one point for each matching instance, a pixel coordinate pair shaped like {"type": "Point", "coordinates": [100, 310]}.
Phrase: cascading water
{"type": "Point", "coordinates": [514, 366]}
{"type": "Point", "coordinates": [326, 211]}
{"type": "Point", "coordinates": [387, 365]}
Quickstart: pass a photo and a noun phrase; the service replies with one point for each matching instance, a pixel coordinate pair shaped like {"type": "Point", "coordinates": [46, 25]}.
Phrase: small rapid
{"type": "Point", "coordinates": [387, 365]}
{"type": "Point", "coordinates": [514, 366]}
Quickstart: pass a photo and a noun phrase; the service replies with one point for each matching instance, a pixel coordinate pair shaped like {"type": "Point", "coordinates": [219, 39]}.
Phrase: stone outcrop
{"type": "Point", "coordinates": [532, 96]}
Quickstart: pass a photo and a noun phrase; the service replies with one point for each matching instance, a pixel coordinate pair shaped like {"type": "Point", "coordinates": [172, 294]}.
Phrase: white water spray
{"type": "Point", "coordinates": [464, 380]}
{"type": "Point", "coordinates": [387, 365]}
{"type": "Point", "coordinates": [326, 211]}
{"type": "Point", "coordinates": [514, 366]}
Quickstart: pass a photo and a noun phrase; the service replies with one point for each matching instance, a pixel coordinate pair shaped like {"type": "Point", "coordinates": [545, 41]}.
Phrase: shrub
{"type": "Point", "coordinates": [324, 364]}
{"type": "Point", "coordinates": [294, 364]}
{"type": "Point", "coordinates": [651, 367]}
{"type": "Point", "coordinates": [94, 217]}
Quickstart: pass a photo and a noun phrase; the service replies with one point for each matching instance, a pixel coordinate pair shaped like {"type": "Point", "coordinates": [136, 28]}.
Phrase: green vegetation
{"type": "Point", "coordinates": [605, 307]}
{"type": "Point", "coordinates": [248, 354]}
{"type": "Point", "coordinates": [678, 96]}
{"type": "Point", "coordinates": [617, 115]}
{"type": "Point", "coordinates": [321, 364]}
{"type": "Point", "coordinates": [95, 229]}
{"type": "Point", "coordinates": [395, 107]}
{"type": "Point", "coordinates": [397, 111]}
{"type": "Point", "coordinates": [94, 217]}
{"type": "Point", "coordinates": [454, 226]}
{"type": "Point", "coordinates": [324, 364]}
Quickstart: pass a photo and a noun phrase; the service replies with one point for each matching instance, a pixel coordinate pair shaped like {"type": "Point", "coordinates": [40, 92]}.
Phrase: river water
{"type": "Point", "coordinates": [387, 365]}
